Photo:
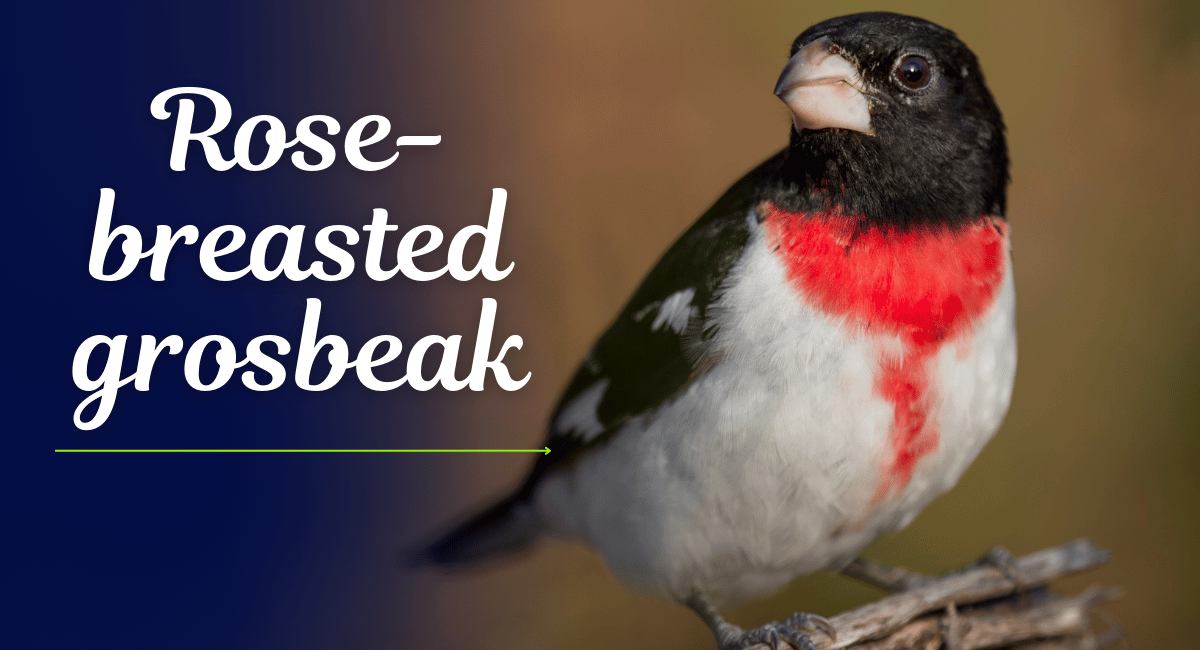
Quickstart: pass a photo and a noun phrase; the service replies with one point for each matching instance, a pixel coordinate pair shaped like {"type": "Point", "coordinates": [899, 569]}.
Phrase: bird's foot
{"type": "Point", "coordinates": [1001, 559]}
{"type": "Point", "coordinates": [887, 578]}
{"type": "Point", "coordinates": [793, 632]}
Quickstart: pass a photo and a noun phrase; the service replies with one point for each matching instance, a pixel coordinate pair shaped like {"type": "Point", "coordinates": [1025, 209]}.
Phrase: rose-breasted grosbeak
{"type": "Point", "coordinates": [815, 360]}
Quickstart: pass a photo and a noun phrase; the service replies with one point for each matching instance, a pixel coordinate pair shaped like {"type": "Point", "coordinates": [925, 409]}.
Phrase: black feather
{"type": "Point", "coordinates": [501, 530]}
{"type": "Point", "coordinates": [938, 156]}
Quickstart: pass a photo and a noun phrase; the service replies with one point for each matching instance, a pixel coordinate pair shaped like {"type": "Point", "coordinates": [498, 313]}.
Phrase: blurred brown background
{"type": "Point", "coordinates": [614, 125]}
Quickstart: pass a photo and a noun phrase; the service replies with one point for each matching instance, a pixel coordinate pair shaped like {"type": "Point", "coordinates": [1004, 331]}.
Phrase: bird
{"type": "Point", "coordinates": [823, 353]}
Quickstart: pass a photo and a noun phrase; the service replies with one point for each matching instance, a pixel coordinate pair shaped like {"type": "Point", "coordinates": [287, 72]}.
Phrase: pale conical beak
{"type": "Point", "coordinates": [824, 90]}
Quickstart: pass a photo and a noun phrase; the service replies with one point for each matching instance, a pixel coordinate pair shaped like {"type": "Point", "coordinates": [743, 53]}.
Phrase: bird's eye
{"type": "Point", "coordinates": [914, 72]}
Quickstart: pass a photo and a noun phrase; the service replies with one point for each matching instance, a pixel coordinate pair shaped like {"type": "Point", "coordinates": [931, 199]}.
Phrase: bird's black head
{"type": "Point", "coordinates": [892, 121]}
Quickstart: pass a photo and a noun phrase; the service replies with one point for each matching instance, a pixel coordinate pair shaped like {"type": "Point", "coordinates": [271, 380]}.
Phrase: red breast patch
{"type": "Point", "coordinates": [925, 285]}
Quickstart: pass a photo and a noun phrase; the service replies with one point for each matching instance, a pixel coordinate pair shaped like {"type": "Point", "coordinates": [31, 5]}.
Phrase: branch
{"type": "Point", "coordinates": [993, 604]}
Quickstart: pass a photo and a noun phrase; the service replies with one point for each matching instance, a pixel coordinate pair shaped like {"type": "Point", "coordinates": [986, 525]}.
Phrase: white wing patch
{"type": "Point", "coordinates": [674, 312]}
{"type": "Point", "coordinates": [579, 415]}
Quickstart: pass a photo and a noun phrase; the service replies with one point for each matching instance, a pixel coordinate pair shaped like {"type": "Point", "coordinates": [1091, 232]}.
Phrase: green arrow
{"type": "Point", "coordinates": [543, 450]}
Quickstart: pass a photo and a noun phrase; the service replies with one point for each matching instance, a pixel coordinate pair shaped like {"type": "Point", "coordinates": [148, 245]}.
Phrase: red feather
{"type": "Point", "coordinates": [924, 285]}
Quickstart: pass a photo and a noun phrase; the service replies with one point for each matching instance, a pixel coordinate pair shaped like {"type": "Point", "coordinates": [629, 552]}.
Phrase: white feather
{"type": "Point", "coordinates": [675, 311]}
{"type": "Point", "coordinates": [766, 468]}
{"type": "Point", "coordinates": [579, 415]}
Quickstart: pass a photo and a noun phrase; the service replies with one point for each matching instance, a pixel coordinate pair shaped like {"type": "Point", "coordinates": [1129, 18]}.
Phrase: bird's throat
{"type": "Point", "coordinates": [923, 286]}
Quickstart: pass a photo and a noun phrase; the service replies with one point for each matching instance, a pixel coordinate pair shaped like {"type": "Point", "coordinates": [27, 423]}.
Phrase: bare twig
{"type": "Point", "coordinates": [979, 607]}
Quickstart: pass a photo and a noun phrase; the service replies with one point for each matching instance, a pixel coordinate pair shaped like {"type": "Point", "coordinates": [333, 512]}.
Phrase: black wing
{"type": "Point", "coordinates": [658, 343]}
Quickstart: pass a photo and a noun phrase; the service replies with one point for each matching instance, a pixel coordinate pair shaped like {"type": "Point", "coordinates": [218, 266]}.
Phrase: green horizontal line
{"type": "Point", "coordinates": [544, 450]}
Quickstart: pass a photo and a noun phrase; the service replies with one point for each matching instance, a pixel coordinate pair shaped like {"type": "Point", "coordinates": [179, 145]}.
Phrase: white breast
{"type": "Point", "coordinates": [768, 467]}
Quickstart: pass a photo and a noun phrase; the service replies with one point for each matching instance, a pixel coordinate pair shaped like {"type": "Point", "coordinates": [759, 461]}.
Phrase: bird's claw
{"type": "Point", "coordinates": [1004, 561]}
{"type": "Point", "coordinates": [792, 631]}
{"type": "Point", "coordinates": [812, 623]}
